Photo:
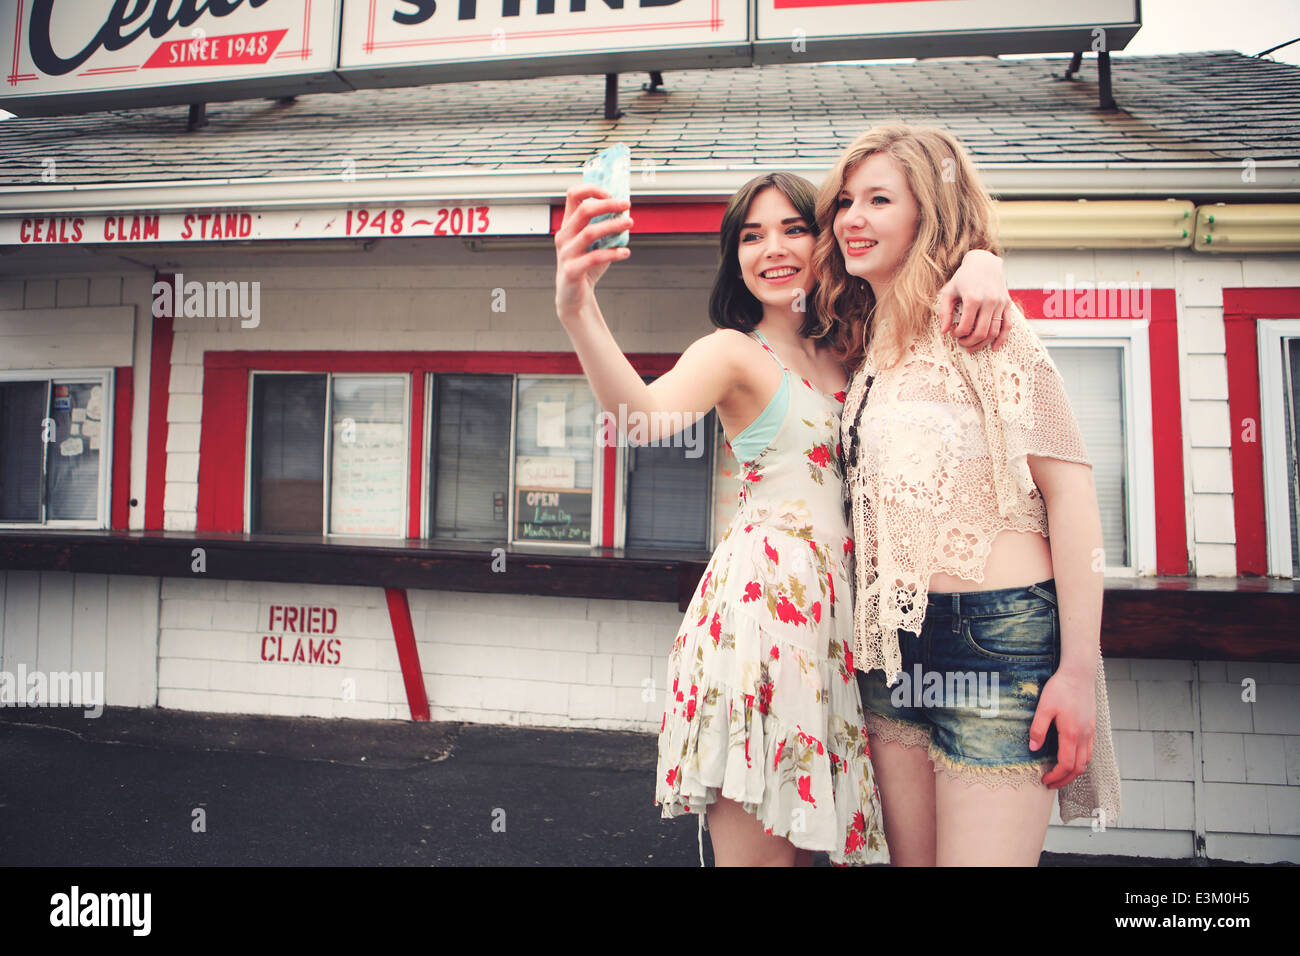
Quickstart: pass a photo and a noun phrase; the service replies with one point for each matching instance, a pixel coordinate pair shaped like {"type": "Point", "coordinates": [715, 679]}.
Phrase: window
{"type": "Point", "coordinates": [54, 463]}
{"type": "Point", "coordinates": [363, 491]}
{"type": "Point", "coordinates": [1105, 366]}
{"type": "Point", "coordinates": [545, 491]}
{"type": "Point", "coordinates": [1094, 380]}
{"type": "Point", "coordinates": [1279, 383]}
{"type": "Point", "coordinates": [554, 466]}
{"type": "Point", "coordinates": [668, 489]}
{"type": "Point", "coordinates": [470, 448]}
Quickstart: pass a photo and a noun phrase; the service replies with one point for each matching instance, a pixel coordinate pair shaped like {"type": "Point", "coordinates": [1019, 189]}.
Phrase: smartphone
{"type": "Point", "coordinates": [611, 170]}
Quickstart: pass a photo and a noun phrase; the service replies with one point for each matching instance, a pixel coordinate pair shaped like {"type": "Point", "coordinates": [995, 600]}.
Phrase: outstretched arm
{"type": "Point", "coordinates": [980, 285]}
{"type": "Point", "coordinates": [705, 374]}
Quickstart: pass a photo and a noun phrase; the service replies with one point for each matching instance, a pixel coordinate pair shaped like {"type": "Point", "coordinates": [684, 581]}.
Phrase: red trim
{"type": "Point", "coordinates": [672, 218]}
{"type": "Point", "coordinates": [160, 376]}
{"type": "Point", "coordinates": [607, 502]}
{"type": "Point", "coordinates": [522, 363]}
{"type": "Point", "coordinates": [1242, 308]}
{"type": "Point", "coordinates": [415, 497]}
{"type": "Point", "coordinates": [399, 612]}
{"type": "Point", "coordinates": [1167, 435]}
{"type": "Point", "coordinates": [222, 443]}
{"type": "Point", "coordinates": [120, 497]}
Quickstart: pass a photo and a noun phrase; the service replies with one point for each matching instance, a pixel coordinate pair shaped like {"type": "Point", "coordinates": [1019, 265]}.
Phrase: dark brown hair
{"type": "Point", "coordinates": [731, 304]}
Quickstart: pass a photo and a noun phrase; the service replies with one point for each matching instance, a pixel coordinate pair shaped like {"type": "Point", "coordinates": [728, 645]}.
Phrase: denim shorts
{"type": "Point", "coordinates": [970, 683]}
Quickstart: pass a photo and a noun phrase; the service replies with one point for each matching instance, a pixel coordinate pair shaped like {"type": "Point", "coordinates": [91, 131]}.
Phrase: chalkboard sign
{"type": "Point", "coordinates": [548, 514]}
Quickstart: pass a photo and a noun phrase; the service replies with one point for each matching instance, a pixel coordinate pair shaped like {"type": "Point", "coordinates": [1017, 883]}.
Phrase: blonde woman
{"type": "Point", "coordinates": [977, 607]}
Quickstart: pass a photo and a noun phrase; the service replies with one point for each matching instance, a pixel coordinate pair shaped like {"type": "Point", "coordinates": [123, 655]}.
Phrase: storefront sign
{"type": "Point", "coordinates": [80, 55]}
{"type": "Point", "coordinates": [290, 646]}
{"type": "Point", "coordinates": [541, 472]}
{"type": "Point", "coordinates": [909, 21]}
{"type": "Point", "coordinates": [544, 514]}
{"type": "Point", "coordinates": [476, 33]}
{"type": "Point", "coordinates": [224, 225]}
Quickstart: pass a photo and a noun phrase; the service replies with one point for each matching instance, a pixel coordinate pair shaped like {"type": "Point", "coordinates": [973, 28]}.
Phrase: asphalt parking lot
{"type": "Point", "coordinates": [153, 787]}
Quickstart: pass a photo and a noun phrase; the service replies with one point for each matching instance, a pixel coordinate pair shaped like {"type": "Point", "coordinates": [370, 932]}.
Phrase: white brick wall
{"type": "Point", "coordinates": [210, 651]}
{"type": "Point", "coordinates": [58, 621]}
{"type": "Point", "coordinates": [561, 662]}
{"type": "Point", "coordinates": [512, 659]}
{"type": "Point", "coordinates": [1246, 776]}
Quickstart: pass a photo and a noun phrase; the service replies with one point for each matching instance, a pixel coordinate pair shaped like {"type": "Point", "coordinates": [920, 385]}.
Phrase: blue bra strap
{"type": "Point", "coordinates": [751, 442]}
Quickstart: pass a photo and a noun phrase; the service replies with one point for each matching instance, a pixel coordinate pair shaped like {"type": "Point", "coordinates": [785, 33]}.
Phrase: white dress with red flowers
{"type": "Point", "coordinates": [763, 705]}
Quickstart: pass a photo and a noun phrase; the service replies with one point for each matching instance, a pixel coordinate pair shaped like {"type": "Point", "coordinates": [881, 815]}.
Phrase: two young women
{"type": "Point", "coordinates": [764, 728]}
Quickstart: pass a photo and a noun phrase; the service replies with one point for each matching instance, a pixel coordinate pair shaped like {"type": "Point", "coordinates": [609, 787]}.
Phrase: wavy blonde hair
{"type": "Point", "coordinates": [955, 215]}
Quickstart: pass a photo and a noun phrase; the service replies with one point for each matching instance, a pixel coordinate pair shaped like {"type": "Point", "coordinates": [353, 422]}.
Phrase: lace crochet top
{"type": "Point", "coordinates": [936, 465]}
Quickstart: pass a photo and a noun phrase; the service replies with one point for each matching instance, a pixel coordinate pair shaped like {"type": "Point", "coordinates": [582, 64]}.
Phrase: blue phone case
{"type": "Point", "coordinates": [611, 170]}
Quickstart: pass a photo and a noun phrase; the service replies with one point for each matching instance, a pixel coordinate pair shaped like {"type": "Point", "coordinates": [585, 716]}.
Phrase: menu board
{"type": "Point", "coordinates": [548, 514]}
{"type": "Point", "coordinates": [368, 478]}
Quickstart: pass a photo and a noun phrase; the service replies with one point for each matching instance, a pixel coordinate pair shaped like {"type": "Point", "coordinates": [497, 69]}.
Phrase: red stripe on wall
{"type": "Point", "coordinates": [607, 503]}
{"type": "Point", "coordinates": [160, 376]}
{"type": "Point", "coordinates": [121, 496]}
{"type": "Point", "coordinates": [1242, 308]}
{"type": "Point", "coordinates": [221, 450]}
{"type": "Point", "coordinates": [341, 361]}
{"type": "Point", "coordinates": [399, 612]}
{"type": "Point", "coordinates": [1167, 435]}
{"type": "Point", "coordinates": [416, 498]}
{"type": "Point", "coordinates": [674, 218]}
{"type": "Point", "coordinates": [523, 363]}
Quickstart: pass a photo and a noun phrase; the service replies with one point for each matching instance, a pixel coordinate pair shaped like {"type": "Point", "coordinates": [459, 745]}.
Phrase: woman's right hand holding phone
{"type": "Point", "coordinates": [577, 269]}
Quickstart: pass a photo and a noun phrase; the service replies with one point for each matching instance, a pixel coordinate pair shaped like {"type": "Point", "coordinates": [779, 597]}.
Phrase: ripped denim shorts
{"type": "Point", "coordinates": [970, 683]}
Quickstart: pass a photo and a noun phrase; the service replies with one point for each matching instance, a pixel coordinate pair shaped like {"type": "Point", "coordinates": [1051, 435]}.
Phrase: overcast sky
{"type": "Point", "coordinates": [1247, 26]}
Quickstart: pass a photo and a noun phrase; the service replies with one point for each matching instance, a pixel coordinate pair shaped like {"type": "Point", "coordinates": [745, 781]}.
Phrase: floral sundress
{"type": "Point", "coordinates": [763, 704]}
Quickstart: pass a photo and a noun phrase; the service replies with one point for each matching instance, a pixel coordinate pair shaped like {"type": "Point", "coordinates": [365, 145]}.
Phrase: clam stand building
{"type": "Point", "coordinates": [288, 424]}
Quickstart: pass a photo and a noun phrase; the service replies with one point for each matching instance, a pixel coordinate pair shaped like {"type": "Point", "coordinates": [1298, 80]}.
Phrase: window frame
{"type": "Point", "coordinates": [428, 473]}
{"type": "Point", "coordinates": [327, 440]}
{"type": "Point", "coordinates": [1131, 336]}
{"type": "Point", "coordinates": [105, 376]}
{"type": "Point", "coordinates": [1270, 334]}
{"type": "Point", "coordinates": [595, 538]}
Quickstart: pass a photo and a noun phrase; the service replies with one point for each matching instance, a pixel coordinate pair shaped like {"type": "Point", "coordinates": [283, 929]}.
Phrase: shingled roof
{"type": "Point", "coordinates": [1188, 108]}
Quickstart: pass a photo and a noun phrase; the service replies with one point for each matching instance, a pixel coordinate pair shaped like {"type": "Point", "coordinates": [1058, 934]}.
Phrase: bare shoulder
{"type": "Point", "coordinates": [728, 339]}
{"type": "Point", "coordinates": [725, 346]}
{"type": "Point", "coordinates": [731, 354]}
